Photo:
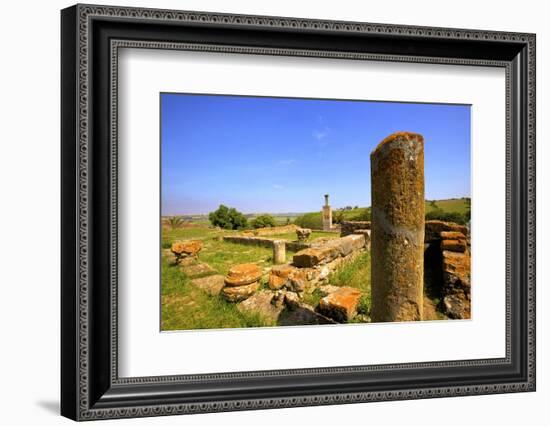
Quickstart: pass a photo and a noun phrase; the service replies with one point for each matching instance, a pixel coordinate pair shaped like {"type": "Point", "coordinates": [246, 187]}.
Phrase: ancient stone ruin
{"type": "Point", "coordinates": [288, 282]}
{"type": "Point", "coordinates": [349, 227]}
{"type": "Point", "coordinates": [186, 250]}
{"type": "Point", "coordinates": [397, 234]}
{"type": "Point", "coordinates": [303, 234]}
{"type": "Point", "coordinates": [279, 252]}
{"type": "Point", "coordinates": [241, 282]}
{"type": "Point", "coordinates": [408, 256]}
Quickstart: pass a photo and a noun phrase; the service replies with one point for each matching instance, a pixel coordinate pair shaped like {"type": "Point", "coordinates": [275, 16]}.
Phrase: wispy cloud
{"type": "Point", "coordinates": [288, 162]}
{"type": "Point", "coordinates": [321, 134]}
{"type": "Point", "coordinates": [276, 186]}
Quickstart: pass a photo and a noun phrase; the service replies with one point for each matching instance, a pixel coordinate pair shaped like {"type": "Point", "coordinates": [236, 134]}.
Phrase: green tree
{"type": "Point", "coordinates": [365, 215]}
{"type": "Point", "coordinates": [263, 221]}
{"type": "Point", "coordinates": [227, 218]}
{"type": "Point", "coordinates": [309, 220]}
{"type": "Point", "coordinates": [338, 216]}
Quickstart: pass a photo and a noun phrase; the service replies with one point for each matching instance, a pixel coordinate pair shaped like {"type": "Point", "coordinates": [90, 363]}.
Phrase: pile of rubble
{"type": "Point", "coordinates": [309, 270]}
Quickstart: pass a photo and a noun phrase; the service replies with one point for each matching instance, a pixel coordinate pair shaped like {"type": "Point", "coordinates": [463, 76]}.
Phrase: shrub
{"type": "Point", "coordinates": [263, 221]}
{"type": "Point", "coordinates": [338, 216]}
{"type": "Point", "coordinates": [227, 218]}
{"type": "Point", "coordinates": [175, 221]}
{"type": "Point", "coordinates": [309, 220]}
{"type": "Point", "coordinates": [365, 214]}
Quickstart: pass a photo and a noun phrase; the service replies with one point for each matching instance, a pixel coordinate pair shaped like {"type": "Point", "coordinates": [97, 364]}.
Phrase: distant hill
{"type": "Point", "coordinates": [313, 219]}
{"type": "Point", "coordinates": [451, 205]}
{"type": "Point", "coordinates": [452, 209]}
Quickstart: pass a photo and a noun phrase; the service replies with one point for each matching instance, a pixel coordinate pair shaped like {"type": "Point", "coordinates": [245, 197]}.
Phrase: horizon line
{"type": "Point", "coordinates": [304, 212]}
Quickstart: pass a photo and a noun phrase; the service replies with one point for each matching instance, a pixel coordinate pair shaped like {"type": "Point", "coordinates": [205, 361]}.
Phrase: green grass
{"type": "Point", "coordinates": [354, 274]}
{"type": "Point", "coordinates": [221, 255]}
{"type": "Point", "coordinates": [355, 214]}
{"type": "Point", "coordinates": [313, 298]}
{"type": "Point", "coordinates": [186, 307]}
{"type": "Point", "coordinates": [191, 232]}
{"type": "Point", "coordinates": [452, 205]}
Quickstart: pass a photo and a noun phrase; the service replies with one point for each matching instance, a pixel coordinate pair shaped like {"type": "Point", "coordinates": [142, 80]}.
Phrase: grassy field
{"type": "Point", "coordinates": [219, 254]}
{"type": "Point", "coordinates": [186, 307]}
{"type": "Point", "coordinates": [453, 205]}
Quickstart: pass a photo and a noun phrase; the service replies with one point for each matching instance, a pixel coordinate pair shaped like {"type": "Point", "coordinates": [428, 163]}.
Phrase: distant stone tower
{"type": "Point", "coordinates": [327, 215]}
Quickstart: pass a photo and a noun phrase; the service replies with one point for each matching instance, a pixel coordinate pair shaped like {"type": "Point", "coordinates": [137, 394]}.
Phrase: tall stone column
{"type": "Point", "coordinates": [327, 215]}
{"type": "Point", "coordinates": [397, 233]}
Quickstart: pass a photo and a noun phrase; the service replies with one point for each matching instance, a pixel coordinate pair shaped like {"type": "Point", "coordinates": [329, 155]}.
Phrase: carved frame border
{"type": "Point", "coordinates": [85, 409]}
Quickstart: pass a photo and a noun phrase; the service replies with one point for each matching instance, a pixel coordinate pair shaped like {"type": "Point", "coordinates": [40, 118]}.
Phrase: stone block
{"type": "Point", "coordinates": [452, 235]}
{"type": "Point", "coordinates": [302, 314]}
{"type": "Point", "coordinates": [262, 304]}
{"type": "Point", "coordinates": [275, 282]}
{"type": "Point", "coordinates": [243, 274]}
{"type": "Point", "coordinates": [456, 270]}
{"type": "Point", "coordinates": [194, 270]}
{"type": "Point", "coordinates": [212, 284]}
{"type": "Point", "coordinates": [454, 245]}
{"type": "Point", "coordinates": [186, 248]}
{"type": "Point", "coordinates": [239, 293]}
{"type": "Point", "coordinates": [434, 228]}
{"type": "Point", "coordinates": [340, 305]}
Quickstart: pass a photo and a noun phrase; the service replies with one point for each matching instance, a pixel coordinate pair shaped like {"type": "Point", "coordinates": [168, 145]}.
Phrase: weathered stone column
{"type": "Point", "coordinates": [279, 252]}
{"type": "Point", "coordinates": [397, 233]}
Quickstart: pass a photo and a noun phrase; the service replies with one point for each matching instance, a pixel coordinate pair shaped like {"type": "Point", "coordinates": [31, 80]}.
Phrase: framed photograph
{"type": "Point", "coordinates": [263, 212]}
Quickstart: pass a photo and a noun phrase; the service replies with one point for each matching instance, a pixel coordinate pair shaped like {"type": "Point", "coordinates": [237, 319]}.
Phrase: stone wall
{"type": "Point", "coordinates": [447, 262]}
{"type": "Point", "coordinates": [271, 230]}
{"type": "Point", "coordinates": [311, 267]}
{"type": "Point", "coordinates": [302, 279]}
{"type": "Point", "coordinates": [265, 242]}
{"type": "Point", "coordinates": [329, 251]}
{"type": "Point", "coordinates": [348, 227]}
{"type": "Point", "coordinates": [251, 241]}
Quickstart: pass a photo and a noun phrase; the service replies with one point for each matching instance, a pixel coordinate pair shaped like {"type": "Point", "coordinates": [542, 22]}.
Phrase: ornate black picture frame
{"type": "Point", "coordinates": [91, 36]}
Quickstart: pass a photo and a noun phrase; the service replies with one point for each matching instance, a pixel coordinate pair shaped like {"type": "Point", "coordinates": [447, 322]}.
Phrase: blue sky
{"type": "Point", "coordinates": [282, 154]}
